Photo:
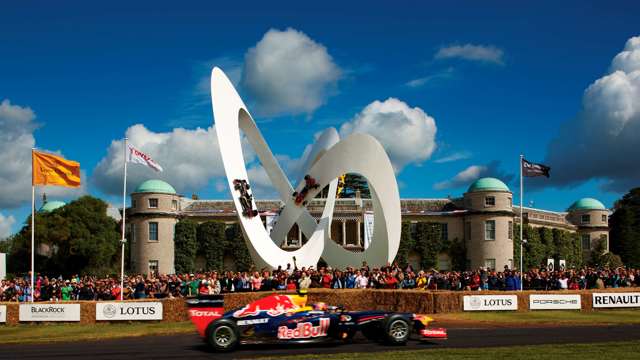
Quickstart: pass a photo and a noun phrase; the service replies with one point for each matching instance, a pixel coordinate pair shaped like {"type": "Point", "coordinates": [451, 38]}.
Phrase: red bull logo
{"type": "Point", "coordinates": [304, 330]}
{"type": "Point", "coordinates": [273, 305]}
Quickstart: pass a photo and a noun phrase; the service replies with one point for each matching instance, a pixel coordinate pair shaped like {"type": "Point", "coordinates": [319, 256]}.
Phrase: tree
{"type": "Point", "coordinates": [546, 238]}
{"type": "Point", "coordinates": [625, 228]}
{"type": "Point", "coordinates": [534, 249]}
{"type": "Point", "coordinates": [80, 236]}
{"type": "Point", "coordinates": [185, 246]}
{"type": "Point", "coordinates": [406, 245]}
{"type": "Point", "coordinates": [211, 241]}
{"type": "Point", "coordinates": [458, 253]}
{"type": "Point", "coordinates": [353, 183]}
{"type": "Point", "coordinates": [428, 243]}
{"type": "Point", "coordinates": [237, 246]}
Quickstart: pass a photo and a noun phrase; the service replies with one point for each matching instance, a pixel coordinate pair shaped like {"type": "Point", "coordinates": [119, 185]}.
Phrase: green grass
{"type": "Point", "coordinates": [559, 317]}
{"type": "Point", "coordinates": [27, 333]}
{"type": "Point", "coordinates": [612, 350]}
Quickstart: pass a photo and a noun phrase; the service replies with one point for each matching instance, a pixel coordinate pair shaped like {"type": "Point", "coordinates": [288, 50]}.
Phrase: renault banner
{"type": "Point", "coordinates": [616, 300]}
{"type": "Point", "coordinates": [128, 311]}
{"type": "Point", "coordinates": [49, 312]}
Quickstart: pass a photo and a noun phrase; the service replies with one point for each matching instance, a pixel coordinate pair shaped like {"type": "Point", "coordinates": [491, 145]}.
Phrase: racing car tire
{"type": "Point", "coordinates": [396, 330]}
{"type": "Point", "coordinates": [222, 335]}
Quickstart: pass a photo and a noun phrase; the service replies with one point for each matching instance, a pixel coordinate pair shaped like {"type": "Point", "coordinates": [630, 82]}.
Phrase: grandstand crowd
{"type": "Point", "coordinates": [390, 277]}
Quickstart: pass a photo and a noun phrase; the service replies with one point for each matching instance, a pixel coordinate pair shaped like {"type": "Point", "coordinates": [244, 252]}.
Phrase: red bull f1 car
{"type": "Point", "coordinates": [281, 318]}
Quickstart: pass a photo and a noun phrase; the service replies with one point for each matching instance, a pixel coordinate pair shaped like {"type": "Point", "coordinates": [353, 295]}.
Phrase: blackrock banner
{"type": "Point", "coordinates": [128, 311]}
{"type": "Point", "coordinates": [555, 302]}
{"type": "Point", "coordinates": [490, 302]}
{"type": "Point", "coordinates": [49, 312]}
{"type": "Point", "coordinates": [616, 300]}
{"type": "Point", "coordinates": [3, 313]}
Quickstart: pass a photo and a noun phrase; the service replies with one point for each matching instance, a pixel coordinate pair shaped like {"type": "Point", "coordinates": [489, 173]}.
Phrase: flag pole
{"type": "Point", "coordinates": [33, 227]}
{"type": "Point", "coordinates": [521, 221]}
{"type": "Point", "coordinates": [124, 216]}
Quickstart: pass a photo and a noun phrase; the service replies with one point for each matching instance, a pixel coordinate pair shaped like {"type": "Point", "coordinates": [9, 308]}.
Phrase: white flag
{"type": "Point", "coordinates": [138, 157]}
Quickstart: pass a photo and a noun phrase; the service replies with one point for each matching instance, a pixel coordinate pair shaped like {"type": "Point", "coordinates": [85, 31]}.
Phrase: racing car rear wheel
{"type": "Point", "coordinates": [397, 330]}
{"type": "Point", "coordinates": [222, 335]}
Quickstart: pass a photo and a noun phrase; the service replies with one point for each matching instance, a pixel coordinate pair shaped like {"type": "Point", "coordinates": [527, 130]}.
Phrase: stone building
{"type": "Point", "coordinates": [483, 218]}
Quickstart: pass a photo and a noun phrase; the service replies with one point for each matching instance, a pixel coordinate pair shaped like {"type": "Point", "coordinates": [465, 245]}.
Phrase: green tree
{"type": "Point", "coordinates": [80, 236]}
{"type": "Point", "coordinates": [185, 246]}
{"type": "Point", "coordinates": [406, 245]}
{"type": "Point", "coordinates": [534, 249]}
{"type": "Point", "coordinates": [625, 228]}
{"type": "Point", "coordinates": [353, 183]}
{"type": "Point", "coordinates": [211, 241]}
{"type": "Point", "coordinates": [546, 238]}
{"type": "Point", "coordinates": [428, 243]}
{"type": "Point", "coordinates": [237, 247]}
{"type": "Point", "coordinates": [458, 253]}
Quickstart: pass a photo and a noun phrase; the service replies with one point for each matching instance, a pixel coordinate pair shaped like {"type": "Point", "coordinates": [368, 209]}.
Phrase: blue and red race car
{"type": "Point", "coordinates": [283, 318]}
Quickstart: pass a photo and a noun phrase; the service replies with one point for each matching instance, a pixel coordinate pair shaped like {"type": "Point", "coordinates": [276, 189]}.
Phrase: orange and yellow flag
{"type": "Point", "coordinates": [51, 169]}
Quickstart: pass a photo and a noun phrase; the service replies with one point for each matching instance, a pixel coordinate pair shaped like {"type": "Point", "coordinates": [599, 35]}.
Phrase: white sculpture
{"type": "Point", "coordinates": [328, 159]}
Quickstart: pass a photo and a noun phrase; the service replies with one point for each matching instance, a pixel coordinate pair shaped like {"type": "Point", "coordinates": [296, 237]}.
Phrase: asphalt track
{"type": "Point", "coordinates": [187, 346]}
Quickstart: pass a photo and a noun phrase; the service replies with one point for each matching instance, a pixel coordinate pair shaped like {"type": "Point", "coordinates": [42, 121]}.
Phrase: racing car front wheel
{"type": "Point", "coordinates": [397, 330]}
{"type": "Point", "coordinates": [222, 335]}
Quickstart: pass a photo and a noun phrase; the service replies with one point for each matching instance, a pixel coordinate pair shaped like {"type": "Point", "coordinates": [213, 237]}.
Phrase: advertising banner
{"type": "Point", "coordinates": [49, 312]}
{"type": "Point", "coordinates": [550, 265]}
{"type": "Point", "coordinates": [490, 302]}
{"type": "Point", "coordinates": [128, 311]}
{"type": "Point", "coordinates": [616, 300]}
{"type": "Point", "coordinates": [563, 265]}
{"type": "Point", "coordinates": [3, 266]}
{"type": "Point", "coordinates": [3, 314]}
{"type": "Point", "coordinates": [554, 302]}
{"type": "Point", "coordinates": [368, 228]}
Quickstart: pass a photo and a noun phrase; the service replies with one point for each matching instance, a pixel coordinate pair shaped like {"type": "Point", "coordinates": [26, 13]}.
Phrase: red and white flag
{"type": "Point", "coordinates": [138, 157]}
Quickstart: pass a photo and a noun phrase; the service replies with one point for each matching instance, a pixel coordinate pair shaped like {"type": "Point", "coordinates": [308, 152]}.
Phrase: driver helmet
{"type": "Point", "coordinates": [320, 306]}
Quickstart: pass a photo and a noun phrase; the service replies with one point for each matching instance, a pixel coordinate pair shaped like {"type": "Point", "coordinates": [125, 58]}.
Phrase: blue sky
{"type": "Point", "coordinates": [89, 72]}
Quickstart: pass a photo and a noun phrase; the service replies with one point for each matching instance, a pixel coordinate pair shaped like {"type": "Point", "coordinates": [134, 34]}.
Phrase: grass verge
{"type": "Point", "coordinates": [32, 333]}
{"type": "Point", "coordinates": [556, 318]}
{"type": "Point", "coordinates": [611, 350]}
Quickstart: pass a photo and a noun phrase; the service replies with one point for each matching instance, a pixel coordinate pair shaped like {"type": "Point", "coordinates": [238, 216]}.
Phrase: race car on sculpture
{"type": "Point", "coordinates": [246, 199]}
{"type": "Point", "coordinates": [283, 318]}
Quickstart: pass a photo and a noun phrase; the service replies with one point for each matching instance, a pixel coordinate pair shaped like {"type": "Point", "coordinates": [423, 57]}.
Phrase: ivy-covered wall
{"type": "Point", "coordinates": [544, 243]}
{"type": "Point", "coordinates": [425, 239]}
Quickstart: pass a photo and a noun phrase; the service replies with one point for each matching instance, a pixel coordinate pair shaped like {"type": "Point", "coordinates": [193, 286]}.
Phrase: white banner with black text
{"type": "Point", "coordinates": [49, 312]}
{"type": "Point", "coordinates": [128, 311]}
{"type": "Point", "coordinates": [490, 302]}
{"type": "Point", "coordinates": [554, 302]}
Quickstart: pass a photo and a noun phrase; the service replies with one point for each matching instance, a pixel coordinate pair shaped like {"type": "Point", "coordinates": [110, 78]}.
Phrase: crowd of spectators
{"type": "Point", "coordinates": [390, 277]}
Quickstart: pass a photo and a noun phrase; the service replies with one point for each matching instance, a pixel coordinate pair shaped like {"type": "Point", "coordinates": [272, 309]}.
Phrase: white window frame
{"type": "Point", "coordinates": [488, 231]}
{"type": "Point", "coordinates": [157, 266]}
{"type": "Point", "coordinates": [157, 231]}
{"type": "Point", "coordinates": [487, 263]}
{"type": "Point", "coordinates": [604, 218]}
{"type": "Point", "coordinates": [156, 201]}
{"type": "Point", "coordinates": [488, 203]}
{"type": "Point", "coordinates": [174, 205]}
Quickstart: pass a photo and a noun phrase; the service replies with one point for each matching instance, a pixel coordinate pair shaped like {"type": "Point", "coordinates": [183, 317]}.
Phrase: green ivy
{"type": "Point", "coordinates": [185, 246]}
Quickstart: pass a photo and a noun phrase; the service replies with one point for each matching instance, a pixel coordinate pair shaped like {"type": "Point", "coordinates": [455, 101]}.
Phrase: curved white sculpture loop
{"type": "Point", "coordinates": [328, 159]}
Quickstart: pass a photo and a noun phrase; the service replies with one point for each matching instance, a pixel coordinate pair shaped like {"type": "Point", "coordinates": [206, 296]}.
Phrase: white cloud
{"type": "Point", "coordinates": [460, 155]}
{"type": "Point", "coordinates": [5, 225]}
{"type": "Point", "coordinates": [190, 159]}
{"type": "Point", "coordinates": [465, 177]}
{"type": "Point", "coordinates": [420, 82]}
{"type": "Point", "coordinates": [483, 53]}
{"type": "Point", "coordinates": [602, 141]}
{"type": "Point", "coordinates": [407, 134]}
{"type": "Point", "coordinates": [288, 73]}
{"type": "Point", "coordinates": [17, 125]}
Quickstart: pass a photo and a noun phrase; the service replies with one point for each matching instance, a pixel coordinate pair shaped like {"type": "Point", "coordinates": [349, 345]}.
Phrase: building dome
{"type": "Point", "coordinates": [587, 204]}
{"type": "Point", "coordinates": [155, 186]}
{"type": "Point", "coordinates": [51, 205]}
{"type": "Point", "coordinates": [488, 184]}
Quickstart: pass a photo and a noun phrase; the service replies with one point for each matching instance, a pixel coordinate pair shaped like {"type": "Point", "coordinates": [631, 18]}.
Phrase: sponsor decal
{"type": "Point", "coordinates": [252, 322]}
{"type": "Point", "coordinates": [201, 317]}
{"type": "Point", "coordinates": [437, 333]}
{"type": "Point", "coordinates": [128, 311]}
{"type": "Point", "coordinates": [49, 312]}
{"type": "Point", "coordinates": [366, 319]}
{"type": "Point", "coordinates": [490, 302]}
{"type": "Point", "coordinates": [274, 305]}
{"type": "Point", "coordinates": [554, 302]}
{"type": "Point", "coordinates": [3, 313]}
{"type": "Point", "coordinates": [616, 300]}
{"type": "Point", "coordinates": [304, 330]}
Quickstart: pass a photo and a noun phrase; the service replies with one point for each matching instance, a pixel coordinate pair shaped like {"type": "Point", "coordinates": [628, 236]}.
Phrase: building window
{"type": "Point", "coordinates": [132, 232]}
{"type": "Point", "coordinates": [153, 266]}
{"type": "Point", "coordinates": [586, 242]}
{"type": "Point", "coordinates": [490, 230]}
{"type": "Point", "coordinates": [510, 202]}
{"type": "Point", "coordinates": [490, 201]}
{"type": "Point", "coordinates": [467, 231]}
{"type": "Point", "coordinates": [133, 204]}
{"type": "Point", "coordinates": [174, 205]}
{"type": "Point", "coordinates": [585, 219]}
{"type": "Point", "coordinates": [444, 231]}
{"type": "Point", "coordinates": [153, 231]}
{"type": "Point", "coordinates": [510, 234]}
{"type": "Point", "coordinates": [604, 218]}
{"type": "Point", "coordinates": [490, 264]}
{"type": "Point", "coordinates": [153, 203]}
{"type": "Point", "coordinates": [604, 240]}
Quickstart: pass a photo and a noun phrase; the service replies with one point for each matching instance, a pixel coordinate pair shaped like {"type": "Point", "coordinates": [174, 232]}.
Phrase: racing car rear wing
{"type": "Point", "coordinates": [204, 309]}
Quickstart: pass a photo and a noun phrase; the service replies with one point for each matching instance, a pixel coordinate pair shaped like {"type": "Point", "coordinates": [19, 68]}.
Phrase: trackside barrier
{"type": "Point", "coordinates": [414, 301]}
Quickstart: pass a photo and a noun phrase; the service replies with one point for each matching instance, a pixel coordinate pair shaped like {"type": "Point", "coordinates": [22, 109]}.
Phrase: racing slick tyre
{"type": "Point", "coordinates": [396, 330]}
{"type": "Point", "coordinates": [222, 335]}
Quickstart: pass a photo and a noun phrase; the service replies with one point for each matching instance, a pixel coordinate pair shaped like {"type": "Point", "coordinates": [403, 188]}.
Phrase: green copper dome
{"type": "Point", "coordinates": [587, 204]}
{"type": "Point", "coordinates": [51, 205]}
{"type": "Point", "coordinates": [488, 184]}
{"type": "Point", "coordinates": [155, 186]}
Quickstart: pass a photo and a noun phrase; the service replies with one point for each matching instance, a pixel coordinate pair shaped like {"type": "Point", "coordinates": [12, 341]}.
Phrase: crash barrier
{"type": "Point", "coordinates": [414, 301]}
